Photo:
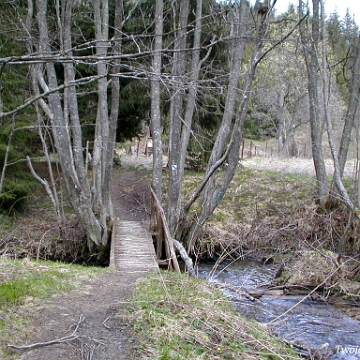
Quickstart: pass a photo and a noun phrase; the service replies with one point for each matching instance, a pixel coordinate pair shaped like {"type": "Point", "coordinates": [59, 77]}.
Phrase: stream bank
{"type": "Point", "coordinates": [315, 329]}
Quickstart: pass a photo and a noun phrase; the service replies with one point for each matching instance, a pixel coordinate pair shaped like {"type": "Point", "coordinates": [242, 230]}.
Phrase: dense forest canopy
{"type": "Point", "coordinates": [78, 76]}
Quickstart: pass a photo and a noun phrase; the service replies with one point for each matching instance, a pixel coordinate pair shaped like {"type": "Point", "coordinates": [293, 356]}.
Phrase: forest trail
{"type": "Point", "coordinates": [90, 312]}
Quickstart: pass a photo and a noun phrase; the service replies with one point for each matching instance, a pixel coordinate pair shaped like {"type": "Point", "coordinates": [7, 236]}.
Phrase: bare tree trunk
{"type": "Point", "coordinates": [6, 157]}
{"type": "Point", "coordinates": [237, 34]}
{"type": "Point", "coordinates": [101, 20]}
{"type": "Point", "coordinates": [310, 42]}
{"type": "Point", "coordinates": [78, 192]}
{"type": "Point", "coordinates": [71, 111]}
{"type": "Point", "coordinates": [281, 128]}
{"type": "Point", "coordinates": [351, 111]}
{"type": "Point", "coordinates": [176, 116]}
{"type": "Point", "coordinates": [214, 191]}
{"type": "Point", "coordinates": [175, 201]}
{"type": "Point", "coordinates": [115, 103]}
{"type": "Point", "coordinates": [238, 31]}
{"type": "Point", "coordinates": [52, 188]}
{"type": "Point", "coordinates": [155, 101]}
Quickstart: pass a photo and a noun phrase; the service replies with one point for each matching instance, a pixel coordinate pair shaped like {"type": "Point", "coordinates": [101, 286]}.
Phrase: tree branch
{"type": "Point", "coordinates": [282, 39]}
{"type": "Point", "coordinates": [46, 93]}
{"type": "Point", "coordinates": [50, 342]}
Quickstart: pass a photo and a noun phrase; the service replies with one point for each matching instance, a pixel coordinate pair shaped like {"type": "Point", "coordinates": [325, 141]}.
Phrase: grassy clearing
{"type": "Point", "coordinates": [267, 193]}
{"type": "Point", "coordinates": [260, 209]}
{"type": "Point", "coordinates": [273, 211]}
{"type": "Point", "coordinates": [177, 317]}
{"type": "Point", "coordinates": [25, 282]}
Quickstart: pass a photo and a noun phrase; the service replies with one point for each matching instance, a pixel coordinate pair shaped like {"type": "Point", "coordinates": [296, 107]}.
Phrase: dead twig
{"type": "Point", "coordinates": [50, 342]}
{"type": "Point", "coordinates": [238, 291]}
{"type": "Point", "coordinates": [46, 343]}
{"type": "Point", "coordinates": [104, 323]}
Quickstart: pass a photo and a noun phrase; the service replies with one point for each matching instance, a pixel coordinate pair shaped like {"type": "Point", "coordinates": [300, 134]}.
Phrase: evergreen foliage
{"type": "Point", "coordinates": [18, 183]}
{"type": "Point", "coordinates": [281, 72]}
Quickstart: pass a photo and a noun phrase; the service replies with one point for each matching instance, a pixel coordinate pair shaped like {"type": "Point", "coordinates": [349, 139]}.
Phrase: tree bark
{"type": "Point", "coordinates": [351, 111]}
{"type": "Point", "coordinates": [155, 101]}
{"type": "Point", "coordinates": [114, 112]}
{"type": "Point", "coordinates": [101, 20]}
{"type": "Point", "coordinates": [176, 116]}
{"type": "Point", "coordinates": [310, 42]}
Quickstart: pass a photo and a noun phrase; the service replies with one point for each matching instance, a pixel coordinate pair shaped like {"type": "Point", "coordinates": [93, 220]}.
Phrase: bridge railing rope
{"type": "Point", "coordinates": [160, 230]}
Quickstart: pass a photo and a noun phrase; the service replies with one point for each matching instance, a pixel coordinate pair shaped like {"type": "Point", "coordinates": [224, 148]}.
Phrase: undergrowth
{"type": "Point", "coordinates": [177, 317]}
{"type": "Point", "coordinates": [270, 211]}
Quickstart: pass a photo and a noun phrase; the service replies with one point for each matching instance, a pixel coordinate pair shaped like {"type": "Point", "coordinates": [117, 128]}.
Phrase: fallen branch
{"type": "Point", "coordinates": [237, 291]}
{"type": "Point", "coordinates": [46, 343]}
{"type": "Point", "coordinates": [104, 323]}
{"type": "Point", "coordinates": [50, 342]}
{"type": "Point", "coordinates": [184, 255]}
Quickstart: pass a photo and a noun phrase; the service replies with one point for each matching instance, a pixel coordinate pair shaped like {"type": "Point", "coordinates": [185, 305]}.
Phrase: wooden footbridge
{"type": "Point", "coordinates": [132, 248]}
{"type": "Point", "coordinates": [132, 243]}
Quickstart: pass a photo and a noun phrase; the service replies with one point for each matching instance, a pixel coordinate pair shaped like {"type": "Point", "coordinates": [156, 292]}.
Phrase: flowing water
{"type": "Point", "coordinates": [312, 325]}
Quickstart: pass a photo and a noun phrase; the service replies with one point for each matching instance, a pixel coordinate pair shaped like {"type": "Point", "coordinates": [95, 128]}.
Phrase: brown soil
{"type": "Point", "coordinates": [90, 311]}
{"type": "Point", "coordinates": [131, 194]}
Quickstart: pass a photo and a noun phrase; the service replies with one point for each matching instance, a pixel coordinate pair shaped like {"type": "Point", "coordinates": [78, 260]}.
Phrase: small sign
{"type": "Point", "coordinates": [219, 196]}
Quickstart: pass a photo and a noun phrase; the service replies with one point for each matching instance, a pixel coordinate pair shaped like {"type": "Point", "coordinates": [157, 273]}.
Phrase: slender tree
{"type": "Point", "coordinates": [351, 109]}
{"type": "Point", "coordinates": [155, 101]}
{"type": "Point", "coordinates": [310, 37]}
{"type": "Point", "coordinates": [227, 145]}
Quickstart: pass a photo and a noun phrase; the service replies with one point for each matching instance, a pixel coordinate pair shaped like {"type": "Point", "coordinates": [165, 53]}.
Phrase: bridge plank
{"type": "Point", "coordinates": [132, 248]}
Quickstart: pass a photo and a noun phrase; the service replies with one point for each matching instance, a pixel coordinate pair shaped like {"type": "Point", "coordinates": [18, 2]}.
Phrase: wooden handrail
{"type": "Point", "coordinates": [162, 232]}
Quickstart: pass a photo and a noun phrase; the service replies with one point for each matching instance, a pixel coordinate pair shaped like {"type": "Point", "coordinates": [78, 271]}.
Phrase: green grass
{"type": "Point", "coordinates": [177, 317]}
{"type": "Point", "coordinates": [256, 195]}
{"type": "Point", "coordinates": [23, 283]}
{"type": "Point", "coordinates": [43, 285]}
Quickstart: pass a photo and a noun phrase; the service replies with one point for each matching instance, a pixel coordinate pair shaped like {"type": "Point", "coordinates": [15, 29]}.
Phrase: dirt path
{"type": "Point", "coordinates": [90, 311]}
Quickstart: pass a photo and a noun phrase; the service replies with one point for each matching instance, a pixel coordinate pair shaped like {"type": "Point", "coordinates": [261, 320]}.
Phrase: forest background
{"type": "Point", "coordinates": [79, 76]}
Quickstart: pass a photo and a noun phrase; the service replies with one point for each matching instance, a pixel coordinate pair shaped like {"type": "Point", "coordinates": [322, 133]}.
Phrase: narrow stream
{"type": "Point", "coordinates": [310, 324]}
